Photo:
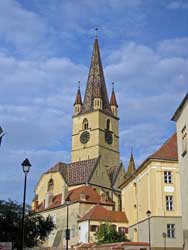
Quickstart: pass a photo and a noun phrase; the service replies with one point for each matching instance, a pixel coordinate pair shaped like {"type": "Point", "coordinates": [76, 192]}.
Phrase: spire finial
{"type": "Point", "coordinates": [113, 85]}
{"type": "Point", "coordinates": [78, 84]}
{"type": "Point", "coordinates": [96, 33]}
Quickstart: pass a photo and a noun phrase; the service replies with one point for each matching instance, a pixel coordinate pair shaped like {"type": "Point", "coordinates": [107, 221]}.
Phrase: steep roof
{"type": "Point", "coordinates": [99, 213]}
{"type": "Point", "coordinates": [96, 83]}
{"type": "Point", "coordinates": [113, 101]}
{"type": "Point", "coordinates": [76, 172]}
{"type": "Point", "coordinates": [168, 151]}
{"type": "Point", "coordinates": [83, 194]}
{"type": "Point", "coordinates": [87, 194]}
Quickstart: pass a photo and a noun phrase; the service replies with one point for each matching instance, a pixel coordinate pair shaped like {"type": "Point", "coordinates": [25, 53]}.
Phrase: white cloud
{"type": "Point", "coordinates": [177, 47]}
{"type": "Point", "coordinates": [180, 4]}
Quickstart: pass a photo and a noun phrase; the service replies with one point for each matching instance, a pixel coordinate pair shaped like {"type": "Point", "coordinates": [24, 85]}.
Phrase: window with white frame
{"type": "Point", "coordinates": [171, 230]}
{"type": "Point", "coordinates": [184, 140]}
{"type": "Point", "coordinates": [169, 202]}
{"type": "Point", "coordinates": [167, 176]}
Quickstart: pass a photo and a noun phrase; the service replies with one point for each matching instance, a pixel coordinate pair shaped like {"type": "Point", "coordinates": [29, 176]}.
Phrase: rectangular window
{"type": "Point", "coordinates": [184, 140]}
{"type": "Point", "coordinates": [94, 228]}
{"type": "Point", "coordinates": [167, 176]}
{"type": "Point", "coordinates": [169, 202]}
{"type": "Point", "coordinates": [123, 230]}
{"type": "Point", "coordinates": [171, 230]}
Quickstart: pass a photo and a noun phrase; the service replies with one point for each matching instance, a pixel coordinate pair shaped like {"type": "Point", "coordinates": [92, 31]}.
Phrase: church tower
{"type": "Point", "coordinates": [95, 121]}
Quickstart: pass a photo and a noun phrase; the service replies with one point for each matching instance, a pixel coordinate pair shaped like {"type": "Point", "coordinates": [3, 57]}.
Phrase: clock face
{"type": "Point", "coordinates": [84, 137]}
{"type": "Point", "coordinates": [109, 137]}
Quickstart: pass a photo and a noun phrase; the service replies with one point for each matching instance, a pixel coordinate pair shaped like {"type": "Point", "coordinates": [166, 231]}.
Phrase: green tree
{"type": "Point", "coordinates": [108, 234]}
{"type": "Point", "coordinates": [36, 227]}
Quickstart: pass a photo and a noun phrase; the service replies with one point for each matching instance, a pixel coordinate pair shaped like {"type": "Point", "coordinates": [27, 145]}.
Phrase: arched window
{"type": "Point", "coordinates": [50, 185]}
{"type": "Point", "coordinates": [85, 124]}
{"type": "Point", "coordinates": [108, 124]}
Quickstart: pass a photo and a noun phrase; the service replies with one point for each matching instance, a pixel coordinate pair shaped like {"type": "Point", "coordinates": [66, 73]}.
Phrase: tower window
{"type": "Point", "coordinates": [85, 124]}
{"type": "Point", "coordinates": [50, 185]}
{"type": "Point", "coordinates": [108, 124]}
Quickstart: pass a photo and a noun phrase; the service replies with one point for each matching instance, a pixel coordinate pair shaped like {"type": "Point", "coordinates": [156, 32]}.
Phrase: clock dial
{"type": "Point", "coordinates": [109, 137]}
{"type": "Point", "coordinates": [84, 137]}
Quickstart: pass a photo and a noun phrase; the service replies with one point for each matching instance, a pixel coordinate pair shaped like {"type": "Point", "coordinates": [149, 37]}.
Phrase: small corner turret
{"type": "Point", "coordinates": [113, 102]}
{"type": "Point", "coordinates": [78, 101]}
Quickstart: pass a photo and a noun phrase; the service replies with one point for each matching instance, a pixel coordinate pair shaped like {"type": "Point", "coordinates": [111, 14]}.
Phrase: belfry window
{"type": "Point", "coordinates": [50, 185]}
{"type": "Point", "coordinates": [108, 124]}
{"type": "Point", "coordinates": [85, 124]}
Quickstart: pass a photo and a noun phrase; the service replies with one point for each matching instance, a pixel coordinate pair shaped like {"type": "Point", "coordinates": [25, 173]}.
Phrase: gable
{"type": "Point", "coordinates": [100, 176]}
{"type": "Point", "coordinates": [42, 186]}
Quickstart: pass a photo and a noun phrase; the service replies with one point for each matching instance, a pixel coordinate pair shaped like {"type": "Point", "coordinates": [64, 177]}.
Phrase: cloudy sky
{"type": "Point", "coordinates": [45, 48]}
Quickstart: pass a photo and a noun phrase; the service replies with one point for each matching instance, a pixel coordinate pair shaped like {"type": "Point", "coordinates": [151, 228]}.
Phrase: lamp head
{"type": "Point", "coordinates": [26, 166]}
{"type": "Point", "coordinates": [148, 213]}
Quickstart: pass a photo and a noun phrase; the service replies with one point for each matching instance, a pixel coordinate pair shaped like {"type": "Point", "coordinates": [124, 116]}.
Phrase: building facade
{"type": "Point", "coordinates": [155, 187]}
{"type": "Point", "coordinates": [181, 119]}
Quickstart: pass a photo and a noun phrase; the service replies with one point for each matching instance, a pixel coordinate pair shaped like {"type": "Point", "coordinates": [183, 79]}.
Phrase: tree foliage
{"type": "Point", "coordinates": [36, 227]}
{"type": "Point", "coordinates": [108, 234]}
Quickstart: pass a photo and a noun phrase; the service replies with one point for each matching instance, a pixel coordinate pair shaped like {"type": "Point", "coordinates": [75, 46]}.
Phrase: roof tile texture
{"type": "Point", "coordinates": [168, 151]}
{"type": "Point", "coordinates": [99, 213]}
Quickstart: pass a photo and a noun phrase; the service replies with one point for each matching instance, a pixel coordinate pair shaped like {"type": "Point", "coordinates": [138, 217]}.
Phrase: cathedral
{"type": "Point", "coordinates": [94, 187]}
{"type": "Point", "coordinates": [90, 182]}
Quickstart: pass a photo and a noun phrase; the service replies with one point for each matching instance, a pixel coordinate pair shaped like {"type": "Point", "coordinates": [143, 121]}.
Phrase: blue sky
{"type": "Point", "coordinates": [45, 48]}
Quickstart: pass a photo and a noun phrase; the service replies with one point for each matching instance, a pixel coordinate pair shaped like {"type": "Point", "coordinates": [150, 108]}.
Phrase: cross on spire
{"type": "Point", "coordinates": [78, 84]}
{"type": "Point", "coordinates": [96, 32]}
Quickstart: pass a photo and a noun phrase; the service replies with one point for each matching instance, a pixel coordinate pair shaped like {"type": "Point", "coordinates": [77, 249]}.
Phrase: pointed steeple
{"type": "Point", "coordinates": [78, 99]}
{"type": "Point", "coordinates": [113, 101]}
{"type": "Point", "coordinates": [131, 166]}
{"type": "Point", "coordinates": [96, 83]}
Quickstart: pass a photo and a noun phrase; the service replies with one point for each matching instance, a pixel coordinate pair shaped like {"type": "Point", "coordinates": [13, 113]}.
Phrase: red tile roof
{"type": "Point", "coordinates": [84, 194]}
{"type": "Point", "coordinates": [87, 194]}
{"type": "Point", "coordinates": [76, 172]}
{"type": "Point", "coordinates": [168, 151]}
{"type": "Point", "coordinates": [99, 213]}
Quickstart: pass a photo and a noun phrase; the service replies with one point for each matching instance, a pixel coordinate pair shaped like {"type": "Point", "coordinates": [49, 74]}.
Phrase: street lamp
{"type": "Point", "coordinates": [148, 213]}
{"type": "Point", "coordinates": [164, 236]}
{"type": "Point", "coordinates": [26, 167]}
{"type": "Point", "coordinates": [67, 232]}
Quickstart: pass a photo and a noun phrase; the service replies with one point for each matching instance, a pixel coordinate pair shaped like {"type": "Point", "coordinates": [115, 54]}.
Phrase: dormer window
{"type": "Point", "coordinates": [85, 124]}
{"type": "Point", "coordinates": [50, 185]}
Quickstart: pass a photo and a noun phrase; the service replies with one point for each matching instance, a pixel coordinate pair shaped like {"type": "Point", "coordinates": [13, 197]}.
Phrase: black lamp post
{"type": "Point", "coordinates": [164, 236]}
{"type": "Point", "coordinates": [26, 167]}
{"type": "Point", "coordinates": [67, 233]}
{"type": "Point", "coordinates": [148, 213]}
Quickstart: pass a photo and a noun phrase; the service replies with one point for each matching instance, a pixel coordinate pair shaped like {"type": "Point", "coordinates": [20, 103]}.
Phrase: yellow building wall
{"type": "Point", "coordinates": [42, 186]}
{"type": "Point", "coordinates": [96, 145]}
{"type": "Point", "coordinates": [147, 191]}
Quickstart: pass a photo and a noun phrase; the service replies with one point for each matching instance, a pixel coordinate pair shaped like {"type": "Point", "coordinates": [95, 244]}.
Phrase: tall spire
{"type": "Point", "coordinates": [96, 82]}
